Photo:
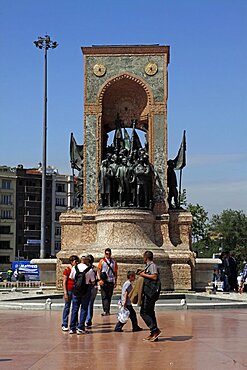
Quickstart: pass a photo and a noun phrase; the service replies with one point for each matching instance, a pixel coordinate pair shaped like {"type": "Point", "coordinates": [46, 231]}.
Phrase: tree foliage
{"type": "Point", "coordinates": [224, 231]}
{"type": "Point", "coordinates": [200, 226]}
{"type": "Point", "coordinates": [233, 227]}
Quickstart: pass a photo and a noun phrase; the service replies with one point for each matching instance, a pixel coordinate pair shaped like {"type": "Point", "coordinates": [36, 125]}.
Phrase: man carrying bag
{"type": "Point", "coordinates": [151, 291]}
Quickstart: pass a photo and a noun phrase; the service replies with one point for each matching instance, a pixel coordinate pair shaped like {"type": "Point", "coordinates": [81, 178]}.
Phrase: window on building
{"type": "Point", "coordinates": [60, 201]}
{"type": "Point", "coordinates": [4, 229]}
{"type": "Point", "coordinates": [4, 259]}
{"type": "Point", "coordinates": [60, 188]}
{"type": "Point", "coordinates": [5, 213]}
{"type": "Point", "coordinates": [6, 184]}
{"type": "Point", "coordinates": [4, 244]}
{"type": "Point", "coordinates": [31, 197]}
{"type": "Point", "coordinates": [57, 216]}
{"type": "Point", "coordinates": [57, 246]}
{"type": "Point", "coordinates": [31, 183]}
{"type": "Point", "coordinates": [31, 227]}
{"type": "Point", "coordinates": [5, 199]}
{"type": "Point", "coordinates": [58, 230]}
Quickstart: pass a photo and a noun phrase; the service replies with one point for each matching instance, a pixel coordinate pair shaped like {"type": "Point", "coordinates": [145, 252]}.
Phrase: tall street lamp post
{"type": "Point", "coordinates": [44, 43]}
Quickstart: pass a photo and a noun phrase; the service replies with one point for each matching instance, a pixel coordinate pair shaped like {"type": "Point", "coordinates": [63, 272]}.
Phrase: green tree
{"type": "Point", "coordinates": [200, 224]}
{"type": "Point", "coordinates": [232, 226]}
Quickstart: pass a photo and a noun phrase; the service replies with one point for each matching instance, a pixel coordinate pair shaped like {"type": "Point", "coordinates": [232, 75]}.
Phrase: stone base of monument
{"type": "Point", "coordinates": [129, 233]}
{"type": "Point", "coordinates": [47, 269]}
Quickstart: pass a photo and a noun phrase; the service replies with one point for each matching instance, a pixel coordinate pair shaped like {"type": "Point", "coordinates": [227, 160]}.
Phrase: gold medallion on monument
{"type": "Point", "coordinates": [151, 69]}
{"type": "Point", "coordinates": [99, 70]}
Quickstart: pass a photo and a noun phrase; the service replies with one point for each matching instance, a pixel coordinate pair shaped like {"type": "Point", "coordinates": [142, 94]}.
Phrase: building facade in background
{"type": "Point", "coordinates": [20, 211]}
{"type": "Point", "coordinates": [7, 214]}
{"type": "Point", "coordinates": [62, 200]}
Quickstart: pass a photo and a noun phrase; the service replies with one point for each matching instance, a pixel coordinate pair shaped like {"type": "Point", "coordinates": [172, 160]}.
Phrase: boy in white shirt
{"type": "Point", "coordinates": [126, 303]}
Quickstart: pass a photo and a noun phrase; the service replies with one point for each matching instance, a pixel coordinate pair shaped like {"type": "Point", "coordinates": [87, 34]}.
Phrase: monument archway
{"type": "Point", "coordinates": [127, 85]}
{"type": "Point", "coordinates": [127, 97]}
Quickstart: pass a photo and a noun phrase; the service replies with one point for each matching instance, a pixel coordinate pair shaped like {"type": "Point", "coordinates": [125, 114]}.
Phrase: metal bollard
{"type": "Point", "coordinates": [48, 303]}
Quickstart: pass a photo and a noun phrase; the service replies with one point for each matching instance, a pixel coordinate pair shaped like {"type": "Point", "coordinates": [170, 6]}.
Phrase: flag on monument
{"type": "Point", "coordinates": [136, 143]}
{"type": "Point", "coordinates": [180, 160]}
{"type": "Point", "coordinates": [127, 143]}
{"type": "Point", "coordinates": [76, 153]}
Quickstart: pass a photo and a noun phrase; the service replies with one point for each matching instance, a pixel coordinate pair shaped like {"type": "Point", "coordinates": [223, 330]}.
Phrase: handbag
{"type": "Point", "coordinates": [152, 288]}
{"type": "Point", "coordinates": [103, 276]}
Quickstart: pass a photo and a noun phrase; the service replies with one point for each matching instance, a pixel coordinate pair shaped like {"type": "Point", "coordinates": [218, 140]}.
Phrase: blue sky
{"type": "Point", "coordinates": [207, 82]}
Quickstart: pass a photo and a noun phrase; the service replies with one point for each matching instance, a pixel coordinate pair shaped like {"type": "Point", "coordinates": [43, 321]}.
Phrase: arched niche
{"type": "Point", "coordinates": [129, 98]}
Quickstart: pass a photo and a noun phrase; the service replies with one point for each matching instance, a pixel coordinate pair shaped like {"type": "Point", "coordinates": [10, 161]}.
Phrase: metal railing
{"type": "Point", "coordinates": [20, 284]}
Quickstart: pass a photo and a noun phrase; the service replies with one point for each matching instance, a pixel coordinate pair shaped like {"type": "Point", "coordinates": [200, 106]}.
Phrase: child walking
{"type": "Point", "coordinates": [126, 303]}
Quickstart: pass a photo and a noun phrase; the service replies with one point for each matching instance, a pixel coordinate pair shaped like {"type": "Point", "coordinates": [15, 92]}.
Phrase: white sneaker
{"type": "Point", "coordinates": [72, 331]}
{"type": "Point", "coordinates": [65, 328]}
{"type": "Point", "coordinates": [80, 332]}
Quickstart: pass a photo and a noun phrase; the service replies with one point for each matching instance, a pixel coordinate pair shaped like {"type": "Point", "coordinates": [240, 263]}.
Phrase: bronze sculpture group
{"type": "Point", "coordinates": [126, 177]}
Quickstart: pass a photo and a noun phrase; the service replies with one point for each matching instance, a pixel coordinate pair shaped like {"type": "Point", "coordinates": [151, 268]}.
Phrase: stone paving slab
{"type": "Point", "coordinates": [190, 340]}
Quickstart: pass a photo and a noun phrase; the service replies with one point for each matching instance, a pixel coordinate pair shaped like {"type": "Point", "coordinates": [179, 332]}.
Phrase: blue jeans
{"type": "Point", "coordinates": [93, 294]}
{"type": "Point", "coordinates": [66, 309]}
{"type": "Point", "coordinates": [79, 302]}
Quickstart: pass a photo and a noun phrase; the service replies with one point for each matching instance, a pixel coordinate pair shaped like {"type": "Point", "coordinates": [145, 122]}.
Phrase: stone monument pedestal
{"type": "Point", "coordinates": [129, 233]}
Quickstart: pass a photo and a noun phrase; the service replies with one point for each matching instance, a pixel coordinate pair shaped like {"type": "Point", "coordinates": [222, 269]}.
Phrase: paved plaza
{"type": "Point", "coordinates": [191, 340]}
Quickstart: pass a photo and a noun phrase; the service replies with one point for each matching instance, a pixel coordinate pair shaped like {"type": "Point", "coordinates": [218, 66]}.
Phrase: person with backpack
{"type": "Point", "coordinates": [67, 290]}
{"type": "Point", "coordinates": [151, 291]}
{"type": "Point", "coordinates": [83, 277]}
{"type": "Point", "coordinates": [107, 275]}
{"type": "Point", "coordinates": [93, 293]}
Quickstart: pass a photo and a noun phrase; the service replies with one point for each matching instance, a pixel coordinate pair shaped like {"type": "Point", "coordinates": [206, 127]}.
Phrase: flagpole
{"type": "Point", "coordinates": [132, 136]}
{"type": "Point", "coordinates": [180, 186]}
{"type": "Point", "coordinates": [72, 160]}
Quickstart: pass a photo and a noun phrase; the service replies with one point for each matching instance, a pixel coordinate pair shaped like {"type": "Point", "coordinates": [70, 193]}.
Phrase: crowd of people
{"type": "Point", "coordinates": [82, 279]}
{"type": "Point", "coordinates": [227, 273]}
